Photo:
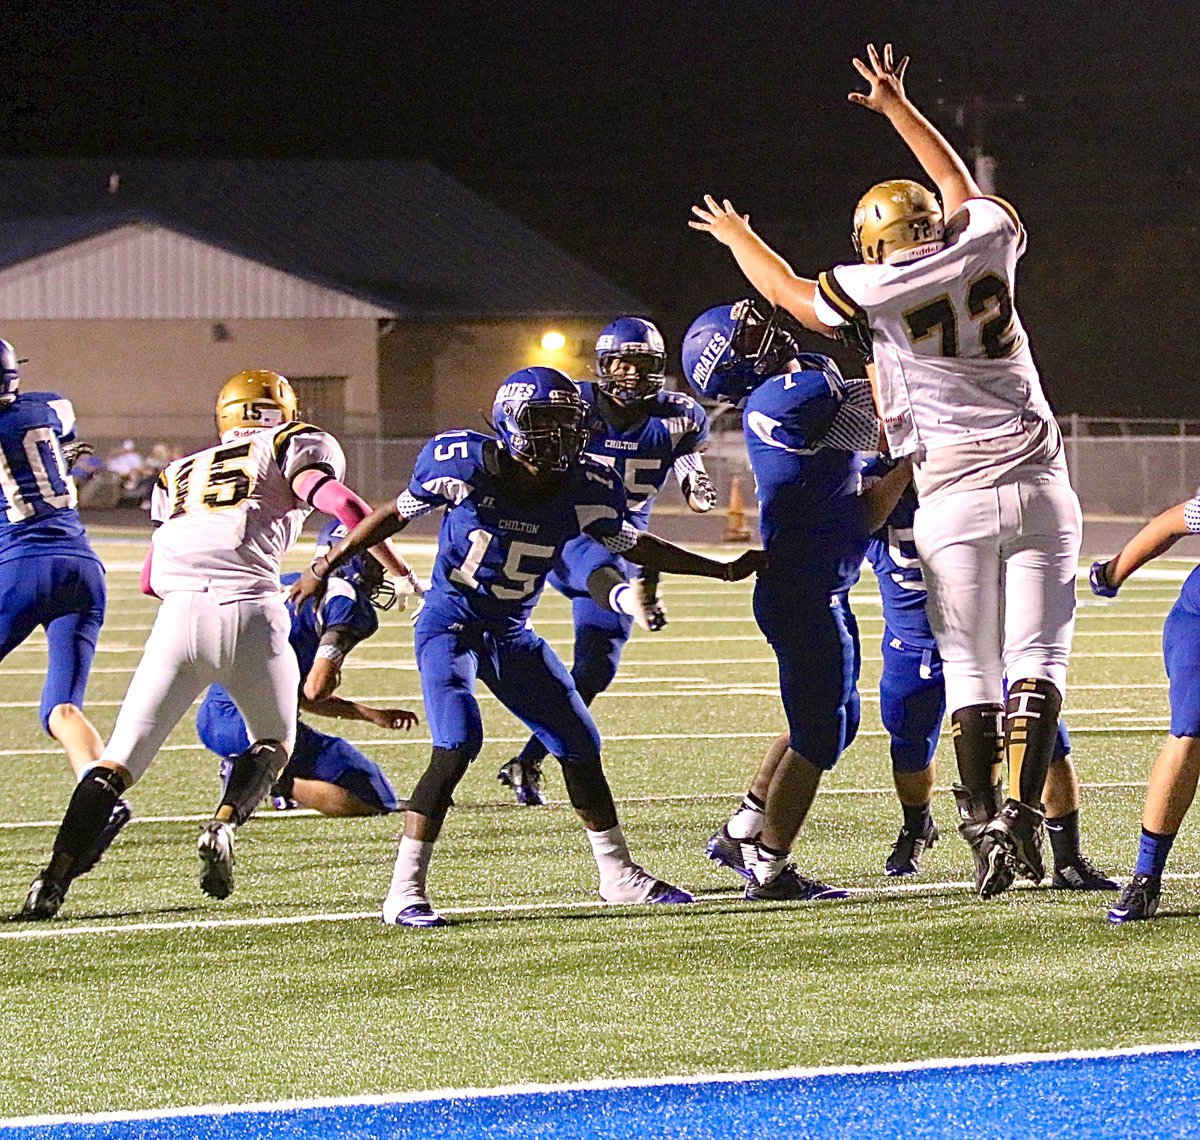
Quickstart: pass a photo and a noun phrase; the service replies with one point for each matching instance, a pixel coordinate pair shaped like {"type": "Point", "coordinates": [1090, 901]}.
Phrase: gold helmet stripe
{"type": "Point", "coordinates": [837, 297]}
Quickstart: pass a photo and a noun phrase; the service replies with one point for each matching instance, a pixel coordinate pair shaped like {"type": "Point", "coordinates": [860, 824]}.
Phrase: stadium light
{"type": "Point", "coordinates": [553, 341]}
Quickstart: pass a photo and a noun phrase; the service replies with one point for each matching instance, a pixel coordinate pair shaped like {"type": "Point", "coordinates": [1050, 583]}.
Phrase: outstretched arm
{"type": "Point", "coordinates": [1155, 538]}
{"type": "Point", "coordinates": [659, 554]}
{"type": "Point", "coordinates": [763, 267]}
{"type": "Point", "coordinates": [380, 524]}
{"type": "Point", "coordinates": [937, 157]}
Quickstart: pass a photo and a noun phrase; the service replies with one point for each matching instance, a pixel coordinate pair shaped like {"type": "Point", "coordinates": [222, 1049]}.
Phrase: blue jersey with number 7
{"type": "Point", "coordinates": [37, 496]}
{"type": "Point", "coordinates": [494, 549]}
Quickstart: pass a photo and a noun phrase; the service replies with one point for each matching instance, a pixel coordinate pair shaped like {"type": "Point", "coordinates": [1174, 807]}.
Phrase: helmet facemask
{"type": "Point", "coordinates": [763, 342]}
{"type": "Point", "coordinates": [626, 377]}
{"type": "Point", "coordinates": [548, 435]}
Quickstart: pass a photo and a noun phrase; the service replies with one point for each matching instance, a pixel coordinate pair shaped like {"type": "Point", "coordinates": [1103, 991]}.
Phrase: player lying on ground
{"type": "Point", "coordinates": [324, 772]}
{"type": "Point", "coordinates": [1172, 784]}
{"type": "Point", "coordinates": [643, 433]}
{"type": "Point", "coordinates": [958, 391]}
{"type": "Point", "coordinates": [512, 502]}
{"type": "Point", "coordinates": [806, 430]}
{"type": "Point", "coordinates": [225, 517]}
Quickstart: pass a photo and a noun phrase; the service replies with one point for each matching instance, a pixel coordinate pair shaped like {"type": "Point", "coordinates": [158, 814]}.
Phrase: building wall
{"type": "Point", "coordinates": [158, 379]}
{"type": "Point", "coordinates": [434, 377]}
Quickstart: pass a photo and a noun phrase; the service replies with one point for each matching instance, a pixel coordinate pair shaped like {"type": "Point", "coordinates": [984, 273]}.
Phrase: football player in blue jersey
{"type": "Point", "coordinates": [806, 430]}
{"type": "Point", "coordinates": [324, 772]}
{"type": "Point", "coordinates": [912, 701]}
{"type": "Point", "coordinates": [645, 434]}
{"type": "Point", "coordinates": [1173, 778]}
{"type": "Point", "coordinates": [49, 573]}
{"type": "Point", "coordinates": [512, 502]}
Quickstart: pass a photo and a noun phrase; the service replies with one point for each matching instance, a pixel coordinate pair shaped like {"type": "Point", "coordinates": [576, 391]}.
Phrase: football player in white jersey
{"type": "Point", "coordinates": [225, 517]}
{"type": "Point", "coordinates": [958, 391]}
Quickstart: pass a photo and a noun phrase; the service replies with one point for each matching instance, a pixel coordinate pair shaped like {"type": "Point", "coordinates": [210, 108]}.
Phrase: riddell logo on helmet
{"type": "Point", "coordinates": [708, 359]}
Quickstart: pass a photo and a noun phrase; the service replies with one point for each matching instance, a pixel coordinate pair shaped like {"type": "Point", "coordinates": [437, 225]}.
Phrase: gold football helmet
{"type": "Point", "coordinates": [253, 400]}
{"type": "Point", "coordinates": [893, 216]}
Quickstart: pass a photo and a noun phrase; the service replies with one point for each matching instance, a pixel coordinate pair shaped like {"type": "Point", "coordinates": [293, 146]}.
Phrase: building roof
{"type": "Point", "coordinates": [398, 233]}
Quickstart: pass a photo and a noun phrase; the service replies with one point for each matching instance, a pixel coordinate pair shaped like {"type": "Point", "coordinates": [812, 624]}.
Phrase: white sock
{"type": "Point", "coordinates": [623, 600]}
{"type": "Point", "coordinates": [408, 875]}
{"type": "Point", "coordinates": [747, 821]}
{"type": "Point", "coordinates": [767, 864]}
{"type": "Point", "coordinates": [621, 879]}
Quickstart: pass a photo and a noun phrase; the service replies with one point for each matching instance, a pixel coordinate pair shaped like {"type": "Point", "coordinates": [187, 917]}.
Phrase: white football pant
{"type": "Point", "coordinates": [194, 642]}
{"type": "Point", "coordinates": [1000, 566]}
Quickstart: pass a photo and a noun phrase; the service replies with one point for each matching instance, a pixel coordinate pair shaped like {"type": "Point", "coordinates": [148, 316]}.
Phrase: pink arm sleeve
{"type": "Point", "coordinates": [146, 574]}
{"type": "Point", "coordinates": [336, 499]}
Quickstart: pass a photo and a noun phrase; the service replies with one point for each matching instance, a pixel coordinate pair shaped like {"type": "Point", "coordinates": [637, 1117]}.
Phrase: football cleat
{"type": "Point", "coordinates": [1018, 829]}
{"type": "Point", "coordinates": [663, 892]}
{"type": "Point", "coordinates": [215, 848]}
{"type": "Point", "coordinates": [1080, 875]}
{"type": "Point", "coordinates": [120, 815]}
{"type": "Point", "coordinates": [43, 901]}
{"type": "Point", "coordinates": [994, 869]}
{"type": "Point", "coordinates": [790, 885]}
{"type": "Point", "coordinates": [729, 852]}
{"type": "Point", "coordinates": [525, 779]}
{"type": "Point", "coordinates": [637, 886]}
{"type": "Point", "coordinates": [910, 845]}
{"type": "Point", "coordinates": [416, 916]}
{"type": "Point", "coordinates": [1138, 900]}
{"type": "Point", "coordinates": [652, 604]}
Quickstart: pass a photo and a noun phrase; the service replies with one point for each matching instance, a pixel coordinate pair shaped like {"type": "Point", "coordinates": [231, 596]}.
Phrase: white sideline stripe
{"type": "Point", "coordinates": [681, 797]}
{"type": "Point", "coordinates": [423, 1096]}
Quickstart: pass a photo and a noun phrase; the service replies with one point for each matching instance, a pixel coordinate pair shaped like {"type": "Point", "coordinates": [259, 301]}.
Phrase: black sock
{"type": "Point", "coordinates": [978, 735]}
{"type": "Point", "coordinates": [1030, 734]}
{"type": "Point", "coordinates": [917, 819]}
{"type": "Point", "coordinates": [1064, 838]}
{"type": "Point", "coordinates": [87, 814]}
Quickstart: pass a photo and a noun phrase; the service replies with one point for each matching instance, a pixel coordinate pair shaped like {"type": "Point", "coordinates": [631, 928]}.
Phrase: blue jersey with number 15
{"type": "Point", "coordinates": [494, 549]}
{"type": "Point", "coordinates": [37, 496]}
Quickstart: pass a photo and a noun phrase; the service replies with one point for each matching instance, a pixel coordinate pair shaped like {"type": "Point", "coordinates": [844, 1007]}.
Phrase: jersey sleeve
{"type": "Point", "coordinates": [694, 434]}
{"type": "Point", "coordinates": [833, 302]}
{"type": "Point", "coordinates": [1191, 515]}
{"type": "Point", "coordinates": [160, 503]}
{"type": "Point", "coordinates": [65, 414]}
{"type": "Point", "coordinates": [444, 473]}
{"type": "Point", "coordinates": [994, 215]}
{"type": "Point", "coordinates": [300, 447]}
{"type": "Point", "coordinates": [601, 509]}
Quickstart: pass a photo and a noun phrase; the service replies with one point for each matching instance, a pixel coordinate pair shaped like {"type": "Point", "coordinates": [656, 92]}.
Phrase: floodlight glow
{"type": "Point", "coordinates": [553, 341]}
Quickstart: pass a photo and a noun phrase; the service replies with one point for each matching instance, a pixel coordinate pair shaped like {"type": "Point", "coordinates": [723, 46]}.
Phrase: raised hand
{"type": "Point", "coordinates": [722, 221]}
{"type": "Point", "coordinates": [886, 78]}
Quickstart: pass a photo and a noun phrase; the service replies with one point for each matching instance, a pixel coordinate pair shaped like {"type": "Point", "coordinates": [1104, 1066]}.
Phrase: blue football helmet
{"type": "Point", "coordinates": [10, 380]}
{"type": "Point", "coordinates": [364, 571]}
{"type": "Point", "coordinates": [638, 346]}
{"type": "Point", "coordinates": [541, 418]}
{"type": "Point", "coordinates": [730, 349]}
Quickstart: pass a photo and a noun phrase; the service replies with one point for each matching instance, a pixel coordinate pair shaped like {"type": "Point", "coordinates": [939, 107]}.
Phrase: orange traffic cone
{"type": "Point", "coordinates": [735, 517]}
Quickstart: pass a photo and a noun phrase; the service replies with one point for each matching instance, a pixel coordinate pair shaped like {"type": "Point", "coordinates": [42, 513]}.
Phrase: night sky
{"type": "Point", "coordinates": [600, 124]}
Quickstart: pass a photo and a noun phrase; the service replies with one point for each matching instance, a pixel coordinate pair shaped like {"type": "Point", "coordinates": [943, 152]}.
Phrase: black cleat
{"type": "Point", "coordinates": [994, 868]}
{"type": "Point", "coordinates": [1018, 829]}
{"type": "Point", "coordinates": [1080, 875]}
{"type": "Point", "coordinates": [723, 848]}
{"type": "Point", "coordinates": [525, 779]}
{"type": "Point", "coordinates": [790, 885]}
{"type": "Point", "coordinates": [43, 901]}
{"type": "Point", "coordinates": [1139, 900]}
{"type": "Point", "coordinates": [215, 848]}
{"type": "Point", "coordinates": [905, 858]}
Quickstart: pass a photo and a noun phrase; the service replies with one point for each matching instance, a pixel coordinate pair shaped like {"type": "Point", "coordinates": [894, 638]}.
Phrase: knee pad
{"type": "Point", "coordinates": [587, 786]}
{"type": "Point", "coordinates": [250, 777]}
{"type": "Point", "coordinates": [433, 795]}
{"type": "Point", "coordinates": [911, 756]}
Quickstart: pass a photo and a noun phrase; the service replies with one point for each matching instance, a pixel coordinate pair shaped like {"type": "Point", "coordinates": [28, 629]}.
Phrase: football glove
{"type": "Point", "coordinates": [700, 493]}
{"type": "Point", "coordinates": [74, 452]}
{"type": "Point", "coordinates": [1098, 580]}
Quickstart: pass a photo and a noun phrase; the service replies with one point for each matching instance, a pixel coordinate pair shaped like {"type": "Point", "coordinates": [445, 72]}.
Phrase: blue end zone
{"type": "Point", "coordinates": [1120, 1095]}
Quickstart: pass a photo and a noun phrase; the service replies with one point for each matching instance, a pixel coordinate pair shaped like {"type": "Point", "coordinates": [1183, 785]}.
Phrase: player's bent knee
{"type": "Point", "coordinates": [250, 777]}
{"type": "Point", "coordinates": [433, 795]}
